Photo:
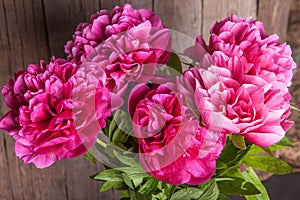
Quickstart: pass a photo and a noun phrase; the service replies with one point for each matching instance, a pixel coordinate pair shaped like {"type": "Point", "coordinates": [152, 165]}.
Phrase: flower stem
{"type": "Point", "coordinates": [103, 144]}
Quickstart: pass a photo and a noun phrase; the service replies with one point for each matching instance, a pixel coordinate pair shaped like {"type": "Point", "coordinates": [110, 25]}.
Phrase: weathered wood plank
{"type": "Point", "coordinates": [294, 40]}
{"type": "Point", "coordinates": [107, 4]}
{"type": "Point", "coordinates": [294, 24]}
{"type": "Point", "coordinates": [62, 17]}
{"type": "Point", "coordinates": [215, 10]}
{"type": "Point", "coordinates": [182, 16]}
{"type": "Point", "coordinates": [275, 15]}
{"type": "Point", "coordinates": [23, 41]}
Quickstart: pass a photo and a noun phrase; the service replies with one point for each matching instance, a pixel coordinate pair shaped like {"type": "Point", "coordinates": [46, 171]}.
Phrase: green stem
{"type": "Point", "coordinates": [171, 191]}
{"type": "Point", "coordinates": [103, 144]}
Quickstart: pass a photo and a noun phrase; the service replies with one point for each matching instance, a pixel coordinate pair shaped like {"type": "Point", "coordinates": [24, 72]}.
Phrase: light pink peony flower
{"type": "Point", "coordinates": [257, 110]}
{"type": "Point", "coordinates": [132, 56]}
{"type": "Point", "coordinates": [103, 25]}
{"type": "Point", "coordinates": [245, 40]}
{"type": "Point", "coordinates": [174, 147]}
{"type": "Point", "coordinates": [251, 64]}
{"type": "Point", "coordinates": [41, 119]}
{"type": "Point", "coordinates": [260, 113]}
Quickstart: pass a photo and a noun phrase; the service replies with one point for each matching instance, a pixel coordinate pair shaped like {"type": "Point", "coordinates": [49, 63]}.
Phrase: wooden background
{"type": "Point", "coordinates": [31, 30]}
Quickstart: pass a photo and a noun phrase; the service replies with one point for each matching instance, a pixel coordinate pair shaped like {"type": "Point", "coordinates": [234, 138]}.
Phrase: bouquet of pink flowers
{"type": "Point", "coordinates": [168, 120]}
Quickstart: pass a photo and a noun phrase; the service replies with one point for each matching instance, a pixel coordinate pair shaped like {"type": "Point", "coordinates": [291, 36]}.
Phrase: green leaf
{"type": "Point", "coordinates": [109, 175]}
{"type": "Point", "coordinates": [221, 165]}
{"type": "Point", "coordinates": [119, 136]}
{"type": "Point", "coordinates": [187, 194]}
{"type": "Point", "coordinates": [174, 63]}
{"type": "Point", "coordinates": [237, 186]}
{"type": "Point", "coordinates": [127, 181]}
{"type": "Point", "coordinates": [257, 150]}
{"type": "Point", "coordinates": [268, 164]}
{"type": "Point", "coordinates": [149, 187]}
{"type": "Point", "coordinates": [110, 184]}
{"type": "Point", "coordinates": [136, 196]}
{"type": "Point", "coordinates": [125, 194]}
{"type": "Point", "coordinates": [169, 190]}
{"type": "Point", "coordinates": [253, 178]}
{"type": "Point", "coordinates": [133, 171]}
{"type": "Point", "coordinates": [90, 156]}
{"type": "Point", "coordinates": [285, 142]}
{"type": "Point", "coordinates": [121, 186]}
{"type": "Point", "coordinates": [127, 160]}
{"type": "Point", "coordinates": [209, 190]}
{"type": "Point", "coordinates": [232, 155]}
{"type": "Point", "coordinates": [238, 141]}
{"type": "Point", "coordinates": [223, 197]}
{"type": "Point", "coordinates": [137, 181]}
{"type": "Point", "coordinates": [111, 129]}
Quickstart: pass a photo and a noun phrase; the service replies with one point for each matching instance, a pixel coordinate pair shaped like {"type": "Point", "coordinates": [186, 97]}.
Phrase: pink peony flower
{"type": "Point", "coordinates": [124, 18]}
{"type": "Point", "coordinates": [132, 56]}
{"type": "Point", "coordinates": [256, 70]}
{"type": "Point", "coordinates": [260, 113]}
{"type": "Point", "coordinates": [87, 36]}
{"type": "Point", "coordinates": [41, 119]}
{"type": "Point", "coordinates": [103, 25]}
{"type": "Point", "coordinates": [174, 147]}
{"type": "Point", "coordinates": [257, 110]}
{"type": "Point", "coordinates": [245, 40]}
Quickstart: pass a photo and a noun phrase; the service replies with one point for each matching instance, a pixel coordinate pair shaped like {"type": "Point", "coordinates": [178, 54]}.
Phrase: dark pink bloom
{"type": "Point", "coordinates": [41, 119]}
{"type": "Point", "coordinates": [87, 36]}
{"type": "Point", "coordinates": [124, 18]}
{"type": "Point", "coordinates": [102, 25]}
{"type": "Point", "coordinates": [174, 147]}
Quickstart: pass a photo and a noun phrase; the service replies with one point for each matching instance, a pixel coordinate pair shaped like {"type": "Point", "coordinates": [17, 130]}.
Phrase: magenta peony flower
{"type": "Point", "coordinates": [87, 36]}
{"type": "Point", "coordinates": [103, 25]}
{"type": "Point", "coordinates": [124, 18]}
{"type": "Point", "coordinates": [174, 147]}
{"type": "Point", "coordinates": [132, 56]}
{"type": "Point", "coordinates": [41, 119]}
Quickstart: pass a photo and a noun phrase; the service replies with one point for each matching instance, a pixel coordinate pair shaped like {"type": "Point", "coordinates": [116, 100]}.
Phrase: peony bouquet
{"type": "Point", "coordinates": [168, 116]}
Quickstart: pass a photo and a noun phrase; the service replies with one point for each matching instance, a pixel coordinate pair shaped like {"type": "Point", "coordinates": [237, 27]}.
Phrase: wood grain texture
{"type": "Point", "coordinates": [182, 16]}
{"type": "Point", "coordinates": [22, 36]}
{"type": "Point", "coordinates": [24, 40]}
{"type": "Point", "coordinates": [31, 30]}
{"type": "Point", "coordinates": [110, 4]}
{"type": "Point", "coordinates": [293, 32]}
{"type": "Point", "coordinates": [62, 17]}
{"type": "Point", "coordinates": [274, 14]}
{"type": "Point", "coordinates": [215, 10]}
